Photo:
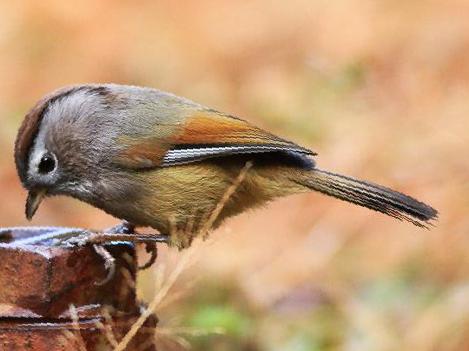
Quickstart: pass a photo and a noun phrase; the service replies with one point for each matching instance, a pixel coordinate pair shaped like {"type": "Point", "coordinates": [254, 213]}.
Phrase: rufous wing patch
{"type": "Point", "coordinates": [146, 153]}
{"type": "Point", "coordinates": [204, 134]}
{"type": "Point", "coordinates": [212, 128]}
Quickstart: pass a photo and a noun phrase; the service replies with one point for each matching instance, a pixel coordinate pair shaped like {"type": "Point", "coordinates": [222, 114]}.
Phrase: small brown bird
{"type": "Point", "coordinates": [155, 159]}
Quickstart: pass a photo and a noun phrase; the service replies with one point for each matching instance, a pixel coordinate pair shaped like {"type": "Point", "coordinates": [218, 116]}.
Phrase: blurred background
{"type": "Point", "coordinates": [380, 89]}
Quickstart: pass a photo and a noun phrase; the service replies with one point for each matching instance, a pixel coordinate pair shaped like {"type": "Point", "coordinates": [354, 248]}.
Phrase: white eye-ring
{"type": "Point", "coordinates": [47, 164]}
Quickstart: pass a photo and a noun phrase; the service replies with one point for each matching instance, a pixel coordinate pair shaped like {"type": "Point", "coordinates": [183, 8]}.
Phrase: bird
{"type": "Point", "coordinates": [154, 159]}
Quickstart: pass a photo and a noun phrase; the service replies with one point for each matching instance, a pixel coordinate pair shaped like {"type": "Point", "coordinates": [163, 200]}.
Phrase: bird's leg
{"type": "Point", "coordinates": [123, 232]}
{"type": "Point", "coordinates": [71, 237]}
{"type": "Point", "coordinates": [129, 228]}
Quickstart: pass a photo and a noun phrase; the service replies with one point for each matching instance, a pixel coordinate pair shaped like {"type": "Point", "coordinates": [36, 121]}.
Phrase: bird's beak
{"type": "Point", "coordinates": [34, 200]}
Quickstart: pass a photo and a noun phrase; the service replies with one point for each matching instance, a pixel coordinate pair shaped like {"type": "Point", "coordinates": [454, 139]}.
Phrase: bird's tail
{"type": "Point", "coordinates": [372, 196]}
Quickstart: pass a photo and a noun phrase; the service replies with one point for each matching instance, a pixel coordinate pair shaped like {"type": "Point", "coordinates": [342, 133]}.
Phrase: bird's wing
{"type": "Point", "coordinates": [205, 134]}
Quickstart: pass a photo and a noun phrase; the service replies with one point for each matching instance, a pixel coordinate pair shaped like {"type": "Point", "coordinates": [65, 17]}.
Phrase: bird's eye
{"type": "Point", "coordinates": [47, 164]}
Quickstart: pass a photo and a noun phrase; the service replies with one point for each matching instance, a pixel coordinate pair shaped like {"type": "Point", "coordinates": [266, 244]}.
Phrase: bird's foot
{"type": "Point", "coordinates": [150, 247]}
{"type": "Point", "coordinates": [150, 241]}
{"type": "Point", "coordinates": [72, 239]}
{"type": "Point", "coordinates": [123, 228]}
{"type": "Point", "coordinates": [124, 232]}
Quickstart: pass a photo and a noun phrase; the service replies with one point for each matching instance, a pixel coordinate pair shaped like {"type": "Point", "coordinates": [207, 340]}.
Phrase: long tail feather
{"type": "Point", "coordinates": [372, 196]}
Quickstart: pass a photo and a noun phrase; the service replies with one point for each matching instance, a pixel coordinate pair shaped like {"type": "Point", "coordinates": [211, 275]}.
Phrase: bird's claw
{"type": "Point", "coordinates": [123, 228]}
{"type": "Point", "coordinates": [152, 249]}
{"type": "Point", "coordinates": [122, 232]}
{"type": "Point", "coordinates": [73, 239]}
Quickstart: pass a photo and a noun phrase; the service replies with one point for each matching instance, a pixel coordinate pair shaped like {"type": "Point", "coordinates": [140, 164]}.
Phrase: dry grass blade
{"type": "Point", "coordinates": [187, 255]}
{"type": "Point", "coordinates": [226, 196]}
{"type": "Point", "coordinates": [178, 295]}
{"type": "Point", "coordinates": [183, 262]}
{"type": "Point", "coordinates": [106, 327]}
{"type": "Point", "coordinates": [75, 336]}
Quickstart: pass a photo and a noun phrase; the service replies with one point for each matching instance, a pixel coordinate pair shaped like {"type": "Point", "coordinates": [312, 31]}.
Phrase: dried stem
{"type": "Point", "coordinates": [187, 255]}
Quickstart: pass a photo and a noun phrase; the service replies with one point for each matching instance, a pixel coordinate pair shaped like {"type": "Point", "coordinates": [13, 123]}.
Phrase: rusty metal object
{"type": "Point", "coordinates": [39, 284]}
